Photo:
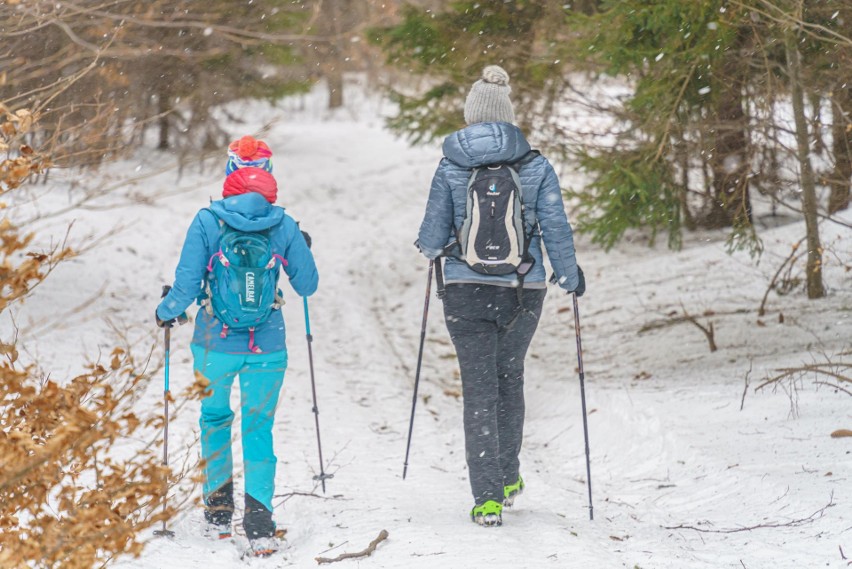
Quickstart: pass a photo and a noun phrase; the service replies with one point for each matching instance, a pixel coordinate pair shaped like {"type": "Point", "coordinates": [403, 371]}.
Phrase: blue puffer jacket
{"type": "Point", "coordinates": [482, 144]}
{"type": "Point", "coordinates": [246, 212]}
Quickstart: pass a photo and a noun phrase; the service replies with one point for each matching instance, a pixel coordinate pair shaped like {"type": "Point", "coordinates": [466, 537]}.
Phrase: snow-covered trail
{"type": "Point", "coordinates": [669, 444]}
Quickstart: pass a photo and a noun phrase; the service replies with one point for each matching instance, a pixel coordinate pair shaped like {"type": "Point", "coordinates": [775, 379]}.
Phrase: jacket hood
{"type": "Point", "coordinates": [248, 212]}
{"type": "Point", "coordinates": [486, 143]}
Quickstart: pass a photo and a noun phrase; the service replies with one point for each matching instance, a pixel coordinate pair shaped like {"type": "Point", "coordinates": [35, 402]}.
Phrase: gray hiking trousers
{"type": "Point", "coordinates": [491, 336]}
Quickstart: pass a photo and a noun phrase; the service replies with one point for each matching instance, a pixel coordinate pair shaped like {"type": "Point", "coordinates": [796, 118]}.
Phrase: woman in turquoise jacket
{"type": "Point", "coordinates": [258, 356]}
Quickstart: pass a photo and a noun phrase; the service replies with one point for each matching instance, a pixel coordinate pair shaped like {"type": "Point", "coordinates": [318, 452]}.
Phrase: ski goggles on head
{"type": "Point", "coordinates": [235, 163]}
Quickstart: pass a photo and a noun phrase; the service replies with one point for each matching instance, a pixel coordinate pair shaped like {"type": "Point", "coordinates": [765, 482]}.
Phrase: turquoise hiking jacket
{"type": "Point", "coordinates": [484, 144]}
{"type": "Point", "coordinates": [246, 212]}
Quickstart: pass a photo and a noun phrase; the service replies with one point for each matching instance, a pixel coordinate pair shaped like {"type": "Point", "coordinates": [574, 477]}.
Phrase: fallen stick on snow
{"type": "Point", "coordinates": [383, 535]}
{"type": "Point", "coordinates": [792, 523]}
{"type": "Point", "coordinates": [708, 330]}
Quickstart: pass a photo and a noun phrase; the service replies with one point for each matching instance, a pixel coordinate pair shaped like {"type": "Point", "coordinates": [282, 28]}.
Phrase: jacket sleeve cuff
{"type": "Point", "coordinates": [569, 283]}
{"type": "Point", "coordinates": [431, 254]}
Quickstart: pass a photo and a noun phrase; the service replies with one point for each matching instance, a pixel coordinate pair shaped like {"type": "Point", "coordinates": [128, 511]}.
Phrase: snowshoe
{"type": "Point", "coordinates": [264, 546]}
{"type": "Point", "coordinates": [218, 531]}
{"type": "Point", "coordinates": [512, 491]}
{"type": "Point", "coordinates": [218, 511]}
{"type": "Point", "coordinates": [488, 514]}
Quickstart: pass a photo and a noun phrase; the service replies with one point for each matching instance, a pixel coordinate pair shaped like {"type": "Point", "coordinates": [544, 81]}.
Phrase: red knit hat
{"type": "Point", "coordinates": [251, 179]}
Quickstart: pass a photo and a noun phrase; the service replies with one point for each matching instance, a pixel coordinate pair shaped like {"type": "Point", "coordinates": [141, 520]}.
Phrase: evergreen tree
{"type": "Point", "coordinates": [827, 55]}
{"type": "Point", "coordinates": [710, 81]}
{"type": "Point", "coordinates": [451, 47]}
{"type": "Point", "coordinates": [687, 63]}
{"type": "Point", "coordinates": [705, 119]}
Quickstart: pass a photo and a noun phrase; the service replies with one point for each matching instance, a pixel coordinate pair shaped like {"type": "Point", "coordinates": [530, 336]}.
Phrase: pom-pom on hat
{"type": "Point", "coordinates": [248, 152]}
{"type": "Point", "coordinates": [251, 179]}
{"type": "Point", "coordinates": [488, 99]}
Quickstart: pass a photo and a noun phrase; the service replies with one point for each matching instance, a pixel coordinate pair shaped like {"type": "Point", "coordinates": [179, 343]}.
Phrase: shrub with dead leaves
{"type": "Point", "coordinates": [67, 500]}
{"type": "Point", "coordinates": [20, 269]}
{"type": "Point", "coordinates": [80, 474]}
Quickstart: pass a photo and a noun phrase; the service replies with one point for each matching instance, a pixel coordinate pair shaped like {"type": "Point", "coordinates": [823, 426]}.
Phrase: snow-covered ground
{"type": "Point", "coordinates": [691, 467]}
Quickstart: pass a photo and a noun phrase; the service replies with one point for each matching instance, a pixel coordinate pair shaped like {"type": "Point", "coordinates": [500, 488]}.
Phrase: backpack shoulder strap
{"type": "Point", "coordinates": [210, 235]}
{"type": "Point", "coordinates": [223, 225]}
{"type": "Point", "coordinates": [516, 164]}
{"type": "Point", "coordinates": [472, 178]}
{"type": "Point", "coordinates": [525, 159]}
{"type": "Point", "coordinates": [220, 223]}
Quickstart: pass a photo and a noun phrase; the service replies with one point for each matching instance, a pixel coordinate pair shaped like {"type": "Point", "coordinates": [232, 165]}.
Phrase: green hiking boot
{"type": "Point", "coordinates": [512, 491]}
{"type": "Point", "coordinates": [488, 514]}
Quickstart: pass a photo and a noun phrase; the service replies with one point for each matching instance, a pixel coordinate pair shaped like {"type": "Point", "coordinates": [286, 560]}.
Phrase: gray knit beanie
{"type": "Point", "coordinates": [488, 100]}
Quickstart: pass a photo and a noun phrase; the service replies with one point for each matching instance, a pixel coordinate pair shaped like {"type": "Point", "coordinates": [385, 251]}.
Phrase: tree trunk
{"type": "Point", "coordinates": [681, 150]}
{"type": "Point", "coordinates": [334, 76]}
{"type": "Point", "coordinates": [816, 121]}
{"type": "Point", "coordinates": [587, 7]}
{"type": "Point", "coordinates": [163, 121]}
{"type": "Point", "coordinates": [841, 134]}
{"type": "Point", "coordinates": [729, 161]}
{"type": "Point", "coordinates": [809, 197]}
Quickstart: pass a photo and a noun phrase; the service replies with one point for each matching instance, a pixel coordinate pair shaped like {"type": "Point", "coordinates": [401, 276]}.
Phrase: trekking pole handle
{"type": "Point", "coordinates": [167, 340]}
{"type": "Point", "coordinates": [181, 318]}
{"type": "Point", "coordinates": [577, 328]}
{"type": "Point", "coordinates": [307, 317]}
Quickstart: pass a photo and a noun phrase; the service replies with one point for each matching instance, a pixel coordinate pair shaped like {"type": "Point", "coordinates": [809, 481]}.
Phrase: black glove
{"type": "Point", "coordinates": [182, 319]}
{"type": "Point", "coordinates": [163, 323]}
{"type": "Point", "coordinates": [581, 285]}
{"type": "Point", "coordinates": [307, 238]}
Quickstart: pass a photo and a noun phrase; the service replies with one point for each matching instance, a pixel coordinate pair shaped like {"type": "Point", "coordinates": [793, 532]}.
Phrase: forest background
{"type": "Point", "coordinates": [724, 116]}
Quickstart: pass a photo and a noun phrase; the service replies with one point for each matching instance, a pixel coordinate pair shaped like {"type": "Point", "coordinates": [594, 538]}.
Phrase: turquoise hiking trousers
{"type": "Point", "coordinates": [261, 377]}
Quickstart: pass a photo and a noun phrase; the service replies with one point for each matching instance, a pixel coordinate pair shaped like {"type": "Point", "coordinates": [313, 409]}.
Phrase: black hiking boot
{"type": "Point", "coordinates": [219, 509]}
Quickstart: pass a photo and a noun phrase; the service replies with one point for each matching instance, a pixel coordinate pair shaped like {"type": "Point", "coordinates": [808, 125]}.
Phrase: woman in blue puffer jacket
{"type": "Point", "coordinates": [257, 355]}
{"type": "Point", "coordinates": [490, 324]}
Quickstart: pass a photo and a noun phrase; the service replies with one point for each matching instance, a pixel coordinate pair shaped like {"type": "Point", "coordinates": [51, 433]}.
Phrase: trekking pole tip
{"type": "Point", "coordinates": [164, 533]}
{"type": "Point", "coordinates": [322, 477]}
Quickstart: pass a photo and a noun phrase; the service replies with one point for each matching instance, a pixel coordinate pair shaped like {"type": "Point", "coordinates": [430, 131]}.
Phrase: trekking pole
{"type": "Point", "coordinates": [322, 476]}
{"type": "Point", "coordinates": [167, 344]}
{"type": "Point", "coordinates": [583, 400]}
{"type": "Point", "coordinates": [419, 361]}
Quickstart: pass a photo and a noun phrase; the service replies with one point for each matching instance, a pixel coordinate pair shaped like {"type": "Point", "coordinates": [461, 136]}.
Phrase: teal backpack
{"type": "Point", "coordinates": [242, 279]}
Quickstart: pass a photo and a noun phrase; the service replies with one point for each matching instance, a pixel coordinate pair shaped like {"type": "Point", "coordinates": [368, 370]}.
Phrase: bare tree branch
{"type": "Point", "coordinates": [791, 258]}
{"type": "Point", "coordinates": [792, 523]}
{"type": "Point", "coordinates": [383, 535]}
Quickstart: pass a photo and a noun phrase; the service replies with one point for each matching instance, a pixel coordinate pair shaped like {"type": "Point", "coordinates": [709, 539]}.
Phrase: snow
{"type": "Point", "coordinates": [679, 470]}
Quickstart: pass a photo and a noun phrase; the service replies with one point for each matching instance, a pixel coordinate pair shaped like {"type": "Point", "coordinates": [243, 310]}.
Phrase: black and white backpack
{"type": "Point", "coordinates": [493, 239]}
